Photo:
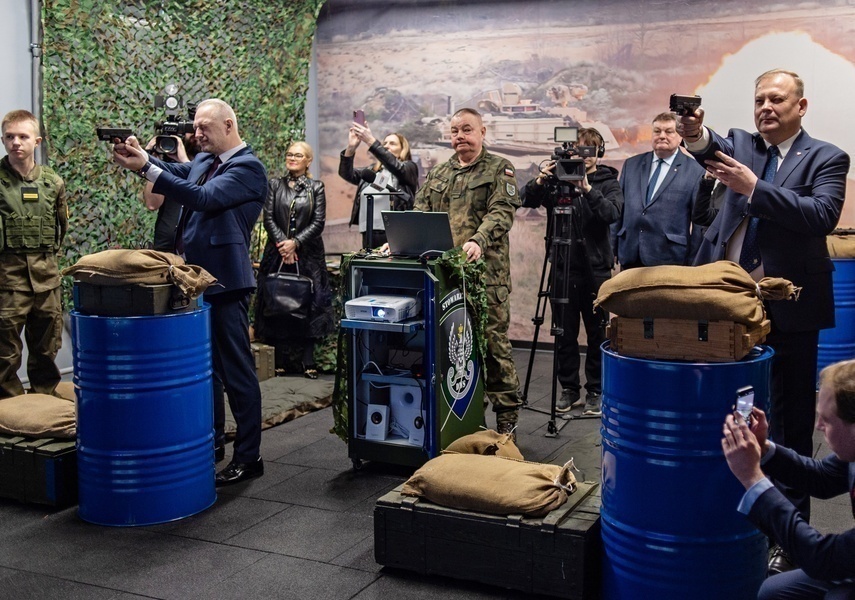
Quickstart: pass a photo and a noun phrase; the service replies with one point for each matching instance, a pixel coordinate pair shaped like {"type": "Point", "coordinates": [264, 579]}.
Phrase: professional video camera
{"type": "Point", "coordinates": [569, 157]}
{"type": "Point", "coordinates": [173, 124]}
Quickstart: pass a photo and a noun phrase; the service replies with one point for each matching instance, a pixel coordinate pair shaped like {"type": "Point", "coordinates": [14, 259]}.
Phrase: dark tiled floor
{"type": "Point", "coordinates": [302, 531]}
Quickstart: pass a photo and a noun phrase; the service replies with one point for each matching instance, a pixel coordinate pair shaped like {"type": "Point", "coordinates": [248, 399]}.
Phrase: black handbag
{"type": "Point", "coordinates": [288, 294]}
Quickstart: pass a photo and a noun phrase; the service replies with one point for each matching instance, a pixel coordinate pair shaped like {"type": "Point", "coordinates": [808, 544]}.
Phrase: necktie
{"type": "Point", "coordinates": [651, 185]}
{"type": "Point", "coordinates": [749, 256]}
{"type": "Point", "coordinates": [214, 166]}
{"type": "Point", "coordinates": [186, 212]}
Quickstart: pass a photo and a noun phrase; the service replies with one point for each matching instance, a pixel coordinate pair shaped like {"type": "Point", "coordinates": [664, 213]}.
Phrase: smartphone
{"type": "Point", "coordinates": [359, 117]}
{"type": "Point", "coordinates": [745, 401]}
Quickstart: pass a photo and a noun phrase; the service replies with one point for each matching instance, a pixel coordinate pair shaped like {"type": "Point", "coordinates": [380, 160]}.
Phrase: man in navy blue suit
{"type": "Point", "coordinates": [785, 194]}
{"type": "Point", "coordinates": [655, 227]}
{"type": "Point", "coordinates": [222, 192]}
{"type": "Point", "coordinates": [827, 562]}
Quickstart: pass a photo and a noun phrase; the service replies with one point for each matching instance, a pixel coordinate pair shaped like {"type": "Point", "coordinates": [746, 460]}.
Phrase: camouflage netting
{"type": "Point", "coordinates": [104, 61]}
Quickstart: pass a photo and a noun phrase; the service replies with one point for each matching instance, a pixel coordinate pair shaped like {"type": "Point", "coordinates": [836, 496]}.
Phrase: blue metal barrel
{"type": "Point", "coordinates": [145, 449]}
{"type": "Point", "coordinates": [839, 343]}
{"type": "Point", "coordinates": [669, 521]}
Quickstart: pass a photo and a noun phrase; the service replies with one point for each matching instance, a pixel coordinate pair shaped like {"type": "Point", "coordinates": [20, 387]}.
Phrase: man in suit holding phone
{"type": "Point", "coordinates": [222, 192]}
{"type": "Point", "coordinates": [785, 193]}
{"type": "Point", "coordinates": [827, 569]}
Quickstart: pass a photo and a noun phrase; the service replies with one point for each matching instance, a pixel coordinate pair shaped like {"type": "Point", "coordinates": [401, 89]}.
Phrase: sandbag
{"type": "Point", "coordinates": [487, 442]}
{"type": "Point", "coordinates": [841, 243]}
{"type": "Point", "coordinates": [124, 267]}
{"type": "Point", "coordinates": [38, 416]}
{"type": "Point", "coordinates": [492, 484]}
{"type": "Point", "coordinates": [720, 291]}
{"type": "Point", "coordinates": [66, 389]}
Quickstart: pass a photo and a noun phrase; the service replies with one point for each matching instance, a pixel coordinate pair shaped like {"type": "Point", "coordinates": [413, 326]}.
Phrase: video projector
{"type": "Point", "coordinates": [388, 308]}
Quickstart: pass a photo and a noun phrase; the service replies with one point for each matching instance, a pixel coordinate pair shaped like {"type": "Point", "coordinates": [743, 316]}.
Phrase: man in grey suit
{"type": "Point", "coordinates": [659, 188]}
{"type": "Point", "coordinates": [785, 194]}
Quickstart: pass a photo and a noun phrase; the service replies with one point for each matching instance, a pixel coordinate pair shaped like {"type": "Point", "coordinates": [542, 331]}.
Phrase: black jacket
{"type": "Point", "coordinates": [596, 210]}
{"type": "Point", "coordinates": [310, 208]}
{"type": "Point", "coordinates": [405, 171]}
{"type": "Point", "coordinates": [311, 213]}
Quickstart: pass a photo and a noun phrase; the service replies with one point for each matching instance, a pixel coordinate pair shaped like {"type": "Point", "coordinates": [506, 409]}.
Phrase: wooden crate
{"type": "Point", "coordinates": [679, 339]}
{"type": "Point", "coordinates": [265, 361]}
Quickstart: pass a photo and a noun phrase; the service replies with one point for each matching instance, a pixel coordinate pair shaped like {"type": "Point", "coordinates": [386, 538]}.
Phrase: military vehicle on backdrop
{"type": "Point", "coordinates": [519, 129]}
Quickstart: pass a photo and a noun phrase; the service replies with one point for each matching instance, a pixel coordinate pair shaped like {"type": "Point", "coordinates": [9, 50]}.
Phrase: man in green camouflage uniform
{"type": "Point", "coordinates": [479, 192]}
{"type": "Point", "coordinates": [33, 222]}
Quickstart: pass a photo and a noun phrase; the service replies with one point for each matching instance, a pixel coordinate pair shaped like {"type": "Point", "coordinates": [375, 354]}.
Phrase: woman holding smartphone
{"type": "Point", "coordinates": [393, 170]}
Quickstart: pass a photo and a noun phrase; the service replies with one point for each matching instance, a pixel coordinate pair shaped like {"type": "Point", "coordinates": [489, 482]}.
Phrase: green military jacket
{"type": "Point", "coordinates": [481, 200]}
{"type": "Point", "coordinates": [34, 219]}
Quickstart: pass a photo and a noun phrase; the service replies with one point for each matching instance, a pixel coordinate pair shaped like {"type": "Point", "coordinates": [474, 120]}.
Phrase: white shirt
{"type": "Point", "coordinates": [734, 245]}
{"type": "Point", "coordinates": [663, 172]}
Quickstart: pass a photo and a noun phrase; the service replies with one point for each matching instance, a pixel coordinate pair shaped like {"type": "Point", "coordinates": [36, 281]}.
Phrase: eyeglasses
{"type": "Point", "coordinates": [297, 156]}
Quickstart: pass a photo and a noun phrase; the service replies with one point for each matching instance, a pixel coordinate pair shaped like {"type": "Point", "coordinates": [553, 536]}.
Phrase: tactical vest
{"type": "Point", "coordinates": [28, 212]}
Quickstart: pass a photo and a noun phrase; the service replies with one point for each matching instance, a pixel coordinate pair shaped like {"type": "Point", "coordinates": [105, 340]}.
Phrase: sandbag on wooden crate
{"type": "Point", "coordinates": [492, 484]}
{"type": "Point", "coordinates": [487, 442]}
{"type": "Point", "coordinates": [719, 291]}
{"type": "Point", "coordinates": [841, 243]}
{"type": "Point", "coordinates": [124, 267]}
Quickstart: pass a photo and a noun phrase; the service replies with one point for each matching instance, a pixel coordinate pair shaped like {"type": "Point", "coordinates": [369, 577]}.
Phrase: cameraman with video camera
{"type": "Point", "coordinates": [181, 150]}
{"type": "Point", "coordinates": [595, 200]}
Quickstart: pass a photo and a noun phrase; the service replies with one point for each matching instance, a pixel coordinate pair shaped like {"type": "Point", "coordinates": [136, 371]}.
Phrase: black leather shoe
{"type": "Point", "coordinates": [238, 472]}
{"type": "Point", "coordinates": [779, 561]}
{"type": "Point", "coordinates": [219, 453]}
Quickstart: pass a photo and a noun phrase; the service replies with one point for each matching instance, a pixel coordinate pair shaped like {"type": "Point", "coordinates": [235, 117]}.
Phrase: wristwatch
{"type": "Point", "coordinates": [144, 169]}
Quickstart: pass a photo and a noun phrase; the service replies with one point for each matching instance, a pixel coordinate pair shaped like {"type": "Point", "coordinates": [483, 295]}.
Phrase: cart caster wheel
{"type": "Point", "coordinates": [357, 464]}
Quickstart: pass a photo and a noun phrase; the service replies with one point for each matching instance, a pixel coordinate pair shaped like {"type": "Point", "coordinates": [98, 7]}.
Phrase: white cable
{"type": "Point", "coordinates": [557, 482]}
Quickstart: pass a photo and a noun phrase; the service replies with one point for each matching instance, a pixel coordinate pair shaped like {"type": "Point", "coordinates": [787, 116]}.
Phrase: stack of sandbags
{"type": "Point", "coordinates": [720, 291]}
{"type": "Point", "coordinates": [492, 484]}
{"type": "Point", "coordinates": [141, 267]}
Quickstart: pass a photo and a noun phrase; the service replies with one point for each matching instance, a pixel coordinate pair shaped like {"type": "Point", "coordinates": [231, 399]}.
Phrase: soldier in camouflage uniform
{"type": "Point", "coordinates": [479, 192]}
{"type": "Point", "coordinates": [33, 222]}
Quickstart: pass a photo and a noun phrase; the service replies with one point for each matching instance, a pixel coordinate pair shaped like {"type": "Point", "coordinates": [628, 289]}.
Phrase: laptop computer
{"type": "Point", "coordinates": [413, 233]}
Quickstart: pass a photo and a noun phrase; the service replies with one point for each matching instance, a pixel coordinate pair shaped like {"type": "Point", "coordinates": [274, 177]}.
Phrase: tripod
{"type": "Point", "coordinates": [564, 238]}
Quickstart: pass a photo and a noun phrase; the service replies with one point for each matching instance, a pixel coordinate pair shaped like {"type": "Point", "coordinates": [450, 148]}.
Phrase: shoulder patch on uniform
{"type": "Point", "coordinates": [509, 172]}
{"type": "Point", "coordinates": [512, 189]}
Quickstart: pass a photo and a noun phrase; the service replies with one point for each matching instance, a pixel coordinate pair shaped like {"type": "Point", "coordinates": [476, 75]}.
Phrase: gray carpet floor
{"type": "Point", "coordinates": [303, 531]}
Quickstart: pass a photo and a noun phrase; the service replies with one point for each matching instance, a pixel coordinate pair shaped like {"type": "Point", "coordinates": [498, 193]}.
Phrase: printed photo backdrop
{"type": "Point", "coordinates": [533, 65]}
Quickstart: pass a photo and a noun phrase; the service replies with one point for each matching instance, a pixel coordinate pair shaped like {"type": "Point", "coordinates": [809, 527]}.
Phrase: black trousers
{"type": "Point", "coordinates": [793, 403]}
{"type": "Point", "coordinates": [234, 372]}
{"type": "Point", "coordinates": [579, 296]}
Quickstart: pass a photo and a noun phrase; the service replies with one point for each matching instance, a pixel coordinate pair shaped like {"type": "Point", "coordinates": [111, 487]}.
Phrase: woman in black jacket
{"type": "Point", "coordinates": [393, 169]}
{"type": "Point", "coordinates": [294, 216]}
